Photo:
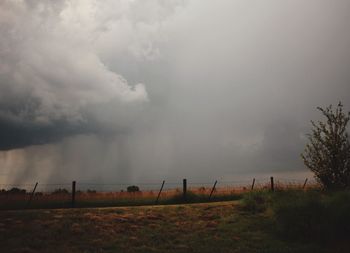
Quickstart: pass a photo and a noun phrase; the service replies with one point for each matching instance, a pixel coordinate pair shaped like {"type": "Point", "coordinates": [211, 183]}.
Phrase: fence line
{"type": "Point", "coordinates": [220, 183]}
{"type": "Point", "coordinates": [69, 194]}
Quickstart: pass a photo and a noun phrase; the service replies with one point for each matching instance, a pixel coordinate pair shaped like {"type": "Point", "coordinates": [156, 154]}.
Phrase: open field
{"type": "Point", "coordinates": [17, 198]}
{"type": "Point", "coordinates": [108, 199]}
{"type": "Point", "coordinates": [232, 226]}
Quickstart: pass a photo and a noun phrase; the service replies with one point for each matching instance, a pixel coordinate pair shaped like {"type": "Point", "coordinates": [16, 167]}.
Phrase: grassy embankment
{"type": "Point", "coordinates": [292, 221]}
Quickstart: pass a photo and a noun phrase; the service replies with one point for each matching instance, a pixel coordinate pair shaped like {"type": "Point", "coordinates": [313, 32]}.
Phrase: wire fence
{"type": "Point", "coordinates": [90, 194]}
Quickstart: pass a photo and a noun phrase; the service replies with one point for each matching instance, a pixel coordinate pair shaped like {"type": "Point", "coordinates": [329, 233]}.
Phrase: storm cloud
{"type": "Point", "coordinates": [149, 90]}
{"type": "Point", "coordinates": [52, 78]}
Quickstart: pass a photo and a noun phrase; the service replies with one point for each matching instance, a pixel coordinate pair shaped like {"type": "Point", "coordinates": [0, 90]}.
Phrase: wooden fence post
{"type": "Point", "coordinates": [252, 188]}
{"type": "Point", "coordinates": [160, 191]}
{"type": "Point", "coordinates": [73, 193]}
{"type": "Point", "coordinates": [32, 194]}
{"type": "Point", "coordinates": [272, 184]}
{"type": "Point", "coordinates": [213, 189]}
{"type": "Point", "coordinates": [184, 189]}
{"type": "Point", "coordinates": [304, 183]}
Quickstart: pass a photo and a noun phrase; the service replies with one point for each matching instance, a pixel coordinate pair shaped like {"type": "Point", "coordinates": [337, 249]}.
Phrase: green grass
{"type": "Point", "coordinates": [312, 216]}
{"type": "Point", "coordinates": [317, 216]}
{"type": "Point", "coordinates": [230, 226]}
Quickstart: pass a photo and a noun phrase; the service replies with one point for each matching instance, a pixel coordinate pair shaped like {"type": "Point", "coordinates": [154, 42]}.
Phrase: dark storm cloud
{"type": "Point", "coordinates": [52, 81]}
{"type": "Point", "coordinates": [14, 134]}
{"type": "Point", "coordinates": [231, 85]}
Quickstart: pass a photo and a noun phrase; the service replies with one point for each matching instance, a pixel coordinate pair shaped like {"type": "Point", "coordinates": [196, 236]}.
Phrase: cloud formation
{"type": "Point", "coordinates": [231, 86]}
{"type": "Point", "coordinates": [51, 74]}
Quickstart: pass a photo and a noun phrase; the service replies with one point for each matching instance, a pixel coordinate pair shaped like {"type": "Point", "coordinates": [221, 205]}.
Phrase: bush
{"type": "Point", "coordinates": [60, 191]}
{"type": "Point", "coordinates": [328, 152]}
{"type": "Point", "coordinates": [190, 197]}
{"type": "Point", "coordinates": [313, 215]}
{"type": "Point", "coordinates": [16, 190]}
{"type": "Point", "coordinates": [133, 188]}
{"type": "Point", "coordinates": [338, 211]}
{"type": "Point", "coordinates": [306, 216]}
{"type": "Point", "coordinates": [298, 215]}
{"type": "Point", "coordinates": [256, 202]}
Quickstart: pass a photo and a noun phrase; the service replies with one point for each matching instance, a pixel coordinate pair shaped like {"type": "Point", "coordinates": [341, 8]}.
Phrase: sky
{"type": "Point", "coordinates": [146, 90]}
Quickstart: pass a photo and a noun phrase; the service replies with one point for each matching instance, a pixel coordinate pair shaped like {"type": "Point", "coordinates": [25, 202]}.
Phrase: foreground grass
{"type": "Point", "coordinates": [211, 227]}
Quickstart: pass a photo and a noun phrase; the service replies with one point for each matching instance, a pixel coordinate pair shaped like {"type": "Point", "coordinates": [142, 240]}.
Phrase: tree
{"type": "Point", "coordinates": [328, 152]}
{"type": "Point", "coordinates": [133, 188]}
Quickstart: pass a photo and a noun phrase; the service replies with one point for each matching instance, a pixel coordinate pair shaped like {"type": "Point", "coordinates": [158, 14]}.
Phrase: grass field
{"type": "Point", "coordinates": [212, 227]}
{"type": "Point", "coordinates": [63, 198]}
{"type": "Point", "coordinates": [114, 199]}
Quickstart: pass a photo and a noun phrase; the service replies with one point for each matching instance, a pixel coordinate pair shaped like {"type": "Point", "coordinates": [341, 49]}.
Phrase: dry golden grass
{"type": "Point", "coordinates": [204, 228]}
{"type": "Point", "coordinates": [44, 200]}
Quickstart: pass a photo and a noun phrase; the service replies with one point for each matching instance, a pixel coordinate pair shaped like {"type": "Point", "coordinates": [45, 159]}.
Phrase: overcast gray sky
{"type": "Point", "coordinates": [145, 90]}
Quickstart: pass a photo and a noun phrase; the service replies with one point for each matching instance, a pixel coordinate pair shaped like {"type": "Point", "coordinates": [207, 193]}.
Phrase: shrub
{"type": "Point", "coordinates": [338, 211]}
{"type": "Point", "coordinates": [190, 197]}
{"type": "Point", "coordinates": [16, 190]}
{"type": "Point", "coordinates": [298, 215]}
{"type": "Point", "coordinates": [60, 191]}
{"type": "Point", "coordinates": [328, 152]}
{"type": "Point", "coordinates": [312, 215]}
{"type": "Point", "coordinates": [256, 202]}
{"type": "Point", "coordinates": [133, 188]}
